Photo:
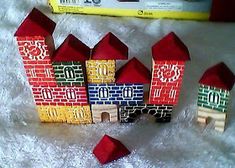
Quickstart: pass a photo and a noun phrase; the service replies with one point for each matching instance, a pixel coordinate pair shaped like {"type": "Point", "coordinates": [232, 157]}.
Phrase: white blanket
{"type": "Point", "coordinates": [25, 142]}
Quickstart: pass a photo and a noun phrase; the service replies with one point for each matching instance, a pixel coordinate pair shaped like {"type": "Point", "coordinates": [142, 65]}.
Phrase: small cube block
{"type": "Point", "coordinates": [109, 149]}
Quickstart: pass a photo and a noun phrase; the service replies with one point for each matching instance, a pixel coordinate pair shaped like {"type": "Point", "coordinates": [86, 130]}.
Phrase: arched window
{"type": "Point", "coordinates": [214, 97]}
{"type": "Point", "coordinates": [157, 92]}
{"type": "Point", "coordinates": [33, 72]}
{"type": "Point", "coordinates": [102, 70]}
{"type": "Point", "coordinates": [172, 93]}
{"type": "Point", "coordinates": [48, 72]}
{"type": "Point", "coordinates": [69, 73]}
{"type": "Point", "coordinates": [52, 112]}
{"type": "Point", "coordinates": [70, 93]}
{"type": "Point", "coordinates": [103, 92]}
{"type": "Point", "coordinates": [79, 113]}
{"type": "Point", "coordinates": [128, 92]}
{"type": "Point", "coordinates": [46, 94]}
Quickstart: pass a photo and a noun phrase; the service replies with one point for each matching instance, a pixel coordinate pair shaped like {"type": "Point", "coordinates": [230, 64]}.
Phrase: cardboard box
{"type": "Point", "coordinates": [175, 9]}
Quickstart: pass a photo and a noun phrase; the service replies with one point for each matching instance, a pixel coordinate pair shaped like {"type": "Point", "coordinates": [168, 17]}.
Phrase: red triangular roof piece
{"type": "Point", "coordinates": [71, 49]}
{"type": "Point", "coordinates": [218, 76]}
{"type": "Point", "coordinates": [36, 24]}
{"type": "Point", "coordinates": [170, 48]}
{"type": "Point", "coordinates": [133, 72]}
{"type": "Point", "coordinates": [110, 48]}
{"type": "Point", "coordinates": [109, 149]}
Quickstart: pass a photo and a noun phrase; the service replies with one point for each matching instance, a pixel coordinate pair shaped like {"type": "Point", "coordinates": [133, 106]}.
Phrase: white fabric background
{"type": "Point", "coordinates": [25, 142]}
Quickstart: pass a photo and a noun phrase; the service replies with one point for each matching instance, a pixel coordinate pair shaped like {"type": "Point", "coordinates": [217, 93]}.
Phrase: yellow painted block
{"type": "Point", "coordinates": [79, 115]}
{"type": "Point", "coordinates": [52, 113]}
{"type": "Point", "coordinates": [100, 71]}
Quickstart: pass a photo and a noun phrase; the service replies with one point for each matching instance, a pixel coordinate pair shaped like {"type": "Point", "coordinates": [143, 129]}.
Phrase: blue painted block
{"type": "Point", "coordinates": [99, 102]}
{"type": "Point", "coordinates": [93, 99]}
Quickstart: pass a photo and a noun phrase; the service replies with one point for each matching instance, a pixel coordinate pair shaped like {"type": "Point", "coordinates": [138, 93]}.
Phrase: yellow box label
{"type": "Point", "coordinates": [156, 10]}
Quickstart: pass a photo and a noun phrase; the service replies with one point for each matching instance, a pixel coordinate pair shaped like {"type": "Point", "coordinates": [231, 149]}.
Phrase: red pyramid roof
{"type": "Point", "coordinates": [71, 49]}
{"type": "Point", "coordinates": [110, 48]}
{"type": "Point", "coordinates": [109, 149]}
{"type": "Point", "coordinates": [36, 24]}
{"type": "Point", "coordinates": [218, 76]}
{"type": "Point", "coordinates": [133, 72]}
{"type": "Point", "coordinates": [170, 48]}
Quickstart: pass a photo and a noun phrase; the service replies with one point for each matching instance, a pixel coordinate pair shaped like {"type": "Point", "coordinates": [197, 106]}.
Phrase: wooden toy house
{"type": "Point", "coordinates": [169, 56]}
{"type": "Point", "coordinates": [54, 103]}
{"type": "Point", "coordinates": [213, 95]}
{"type": "Point", "coordinates": [102, 65]}
{"type": "Point", "coordinates": [69, 62]}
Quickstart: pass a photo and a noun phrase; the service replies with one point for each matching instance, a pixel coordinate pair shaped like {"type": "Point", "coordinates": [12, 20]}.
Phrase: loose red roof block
{"type": "Point", "coordinates": [133, 72]}
{"type": "Point", "coordinates": [110, 48]}
{"type": "Point", "coordinates": [71, 49]}
{"type": "Point", "coordinates": [218, 76]}
{"type": "Point", "coordinates": [109, 149]}
{"type": "Point", "coordinates": [170, 48]}
{"type": "Point", "coordinates": [36, 24]}
{"type": "Point", "coordinates": [223, 10]}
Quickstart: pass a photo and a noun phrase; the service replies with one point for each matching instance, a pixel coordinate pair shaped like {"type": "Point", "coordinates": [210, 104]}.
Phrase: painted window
{"type": "Point", "coordinates": [157, 92]}
{"type": "Point", "coordinates": [172, 93]}
{"type": "Point", "coordinates": [46, 93]}
{"type": "Point", "coordinates": [70, 93]}
{"type": "Point", "coordinates": [79, 113]}
{"type": "Point", "coordinates": [52, 112]}
{"type": "Point", "coordinates": [48, 72]}
{"type": "Point", "coordinates": [69, 73]}
{"type": "Point", "coordinates": [103, 92]}
{"type": "Point", "coordinates": [214, 97]}
{"type": "Point", "coordinates": [33, 73]}
{"type": "Point", "coordinates": [128, 92]}
{"type": "Point", "coordinates": [103, 70]}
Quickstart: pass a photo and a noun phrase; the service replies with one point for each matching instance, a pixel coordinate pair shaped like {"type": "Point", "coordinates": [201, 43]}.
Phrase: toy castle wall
{"type": "Point", "coordinates": [115, 94]}
{"type": "Point", "coordinates": [213, 98]}
{"type": "Point", "coordinates": [166, 82]}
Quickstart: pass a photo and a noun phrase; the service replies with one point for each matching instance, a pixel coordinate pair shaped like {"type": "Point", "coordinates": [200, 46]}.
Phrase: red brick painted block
{"type": "Point", "coordinates": [166, 82]}
{"type": "Point", "coordinates": [109, 149]}
{"type": "Point", "coordinates": [56, 95]}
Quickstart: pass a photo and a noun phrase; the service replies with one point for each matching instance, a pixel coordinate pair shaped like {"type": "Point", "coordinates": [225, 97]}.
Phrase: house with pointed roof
{"type": "Point", "coordinates": [35, 43]}
{"type": "Point", "coordinates": [102, 65]}
{"type": "Point", "coordinates": [127, 91]}
{"type": "Point", "coordinates": [169, 57]}
{"type": "Point", "coordinates": [69, 62]}
{"type": "Point", "coordinates": [213, 95]}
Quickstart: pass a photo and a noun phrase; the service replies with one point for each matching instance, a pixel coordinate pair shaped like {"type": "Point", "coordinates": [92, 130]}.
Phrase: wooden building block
{"type": "Point", "coordinates": [119, 94]}
{"type": "Point", "coordinates": [213, 95]}
{"type": "Point", "coordinates": [102, 65]}
{"type": "Point", "coordinates": [69, 62]}
{"type": "Point", "coordinates": [101, 113]}
{"type": "Point", "coordinates": [36, 45]}
{"type": "Point", "coordinates": [169, 56]}
{"type": "Point", "coordinates": [52, 113]}
{"type": "Point", "coordinates": [100, 71]}
{"type": "Point", "coordinates": [109, 149]}
{"type": "Point", "coordinates": [60, 95]}
{"type": "Point", "coordinates": [78, 115]}
{"type": "Point", "coordinates": [162, 113]}
{"type": "Point", "coordinates": [205, 113]}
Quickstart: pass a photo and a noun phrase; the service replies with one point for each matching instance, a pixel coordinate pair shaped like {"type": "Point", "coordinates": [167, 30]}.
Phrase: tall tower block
{"type": "Point", "coordinates": [169, 56]}
{"type": "Point", "coordinates": [36, 45]}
